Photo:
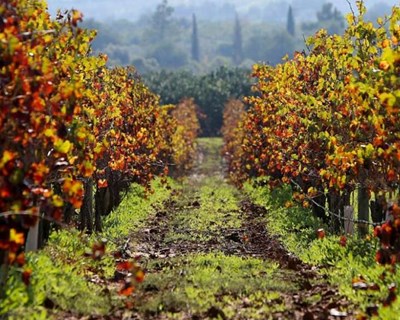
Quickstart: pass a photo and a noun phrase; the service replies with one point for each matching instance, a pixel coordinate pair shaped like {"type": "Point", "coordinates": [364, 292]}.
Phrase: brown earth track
{"type": "Point", "coordinates": [264, 245]}
{"type": "Point", "coordinates": [251, 240]}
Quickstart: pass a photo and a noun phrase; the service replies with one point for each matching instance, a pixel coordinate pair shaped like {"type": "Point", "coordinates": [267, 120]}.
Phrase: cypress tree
{"type": "Point", "coordinates": [237, 42]}
{"type": "Point", "coordinates": [195, 40]}
{"type": "Point", "coordinates": [290, 26]}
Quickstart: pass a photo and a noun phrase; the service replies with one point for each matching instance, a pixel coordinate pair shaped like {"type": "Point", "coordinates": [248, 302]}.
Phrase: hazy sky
{"type": "Point", "coordinates": [132, 9]}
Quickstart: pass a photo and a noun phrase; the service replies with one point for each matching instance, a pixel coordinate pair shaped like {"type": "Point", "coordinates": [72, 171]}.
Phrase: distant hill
{"type": "Point", "coordinates": [274, 10]}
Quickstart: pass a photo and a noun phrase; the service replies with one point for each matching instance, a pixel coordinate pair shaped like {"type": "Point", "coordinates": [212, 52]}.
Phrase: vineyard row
{"type": "Point", "coordinates": [74, 134]}
{"type": "Point", "coordinates": [327, 123]}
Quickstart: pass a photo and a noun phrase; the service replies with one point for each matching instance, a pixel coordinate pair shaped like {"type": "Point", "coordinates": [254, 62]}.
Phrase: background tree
{"type": "Point", "coordinates": [161, 20]}
{"type": "Point", "coordinates": [163, 41]}
{"type": "Point", "coordinates": [290, 25]}
{"type": "Point", "coordinates": [210, 91]}
{"type": "Point", "coordinates": [328, 18]}
{"type": "Point", "coordinates": [195, 40]}
{"type": "Point", "coordinates": [270, 47]}
{"type": "Point", "coordinates": [168, 55]}
{"type": "Point", "coordinates": [237, 42]}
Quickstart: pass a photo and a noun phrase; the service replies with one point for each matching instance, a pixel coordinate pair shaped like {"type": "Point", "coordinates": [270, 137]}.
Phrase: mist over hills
{"type": "Point", "coordinates": [134, 32]}
{"type": "Point", "coordinates": [270, 10]}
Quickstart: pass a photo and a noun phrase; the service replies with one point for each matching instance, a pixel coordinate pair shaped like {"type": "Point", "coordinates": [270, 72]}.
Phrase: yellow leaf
{"type": "Point", "coordinates": [16, 237]}
{"type": "Point", "coordinates": [57, 201]}
{"type": "Point", "coordinates": [49, 133]}
{"type": "Point", "coordinates": [369, 150]}
{"type": "Point", "coordinates": [98, 148]}
{"type": "Point", "coordinates": [63, 146]}
{"type": "Point", "coordinates": [7, 156]}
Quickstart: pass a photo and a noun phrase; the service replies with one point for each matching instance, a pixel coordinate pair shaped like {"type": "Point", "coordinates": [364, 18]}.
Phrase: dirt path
{"type": "Point", "coordinates": [208, 254]}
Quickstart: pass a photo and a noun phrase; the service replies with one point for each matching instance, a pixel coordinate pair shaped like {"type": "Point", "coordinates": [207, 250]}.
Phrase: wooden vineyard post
{"type": "Point", "coordinates": [348, 220]}
{"type": "Point", "coordinates": [32, 239]}
{"type": "Point", "coordinates": [3, 272]}
{"type": "Point", "coordinates": [363, 210]}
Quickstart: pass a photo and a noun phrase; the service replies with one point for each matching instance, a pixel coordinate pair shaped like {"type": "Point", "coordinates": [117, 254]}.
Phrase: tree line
{"type": "Point", "coordinates": [209, 92]}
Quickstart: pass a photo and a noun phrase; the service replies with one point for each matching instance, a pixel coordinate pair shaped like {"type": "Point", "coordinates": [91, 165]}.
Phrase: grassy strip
{"type": "Point", "coordinates": [211, 285]}
{"type": "Point", "coordinates": [214, 284]}
{"type": "Point", "coordinates": [133, 212]}
{"type": "Point", "coordinates": [342, 264]}
{"type": "Point", "coordinates": [212, 161]}
{"type": "Point", "coordinates": [215, 209]}
{"type": "Point", "coordinates": [60, 272]}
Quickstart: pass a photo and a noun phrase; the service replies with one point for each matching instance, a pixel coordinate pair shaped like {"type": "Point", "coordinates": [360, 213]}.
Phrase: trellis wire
{"type": "Point", "coordinates": [357, 221]}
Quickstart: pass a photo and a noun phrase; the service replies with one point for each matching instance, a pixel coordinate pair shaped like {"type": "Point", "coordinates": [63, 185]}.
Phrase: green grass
{"type": "Point", "coordinates": [297, 227]}
{"type": "Point", "coordinates": [54, 284]}
{"type": "Point", "coordinates": [212, 161]}
{"type": "Point", "coordinates": [209, 204]}
{"type": "Point", "coordinates": [216, 208]}
{"type": "Point", "coordinates": [196, 283]}
{"type": "Point", "coordinates": [135, 209]}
